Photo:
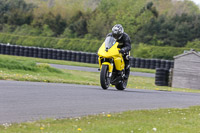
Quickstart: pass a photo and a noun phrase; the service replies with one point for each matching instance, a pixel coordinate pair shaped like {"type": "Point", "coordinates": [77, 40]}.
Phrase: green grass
{"type": "Point", "coordinates": [61, 62]}
{"type": "Point", "coordinates": [25, 69]}
{"type": "Point", "coordinates": [28, 65]}
{"type": "Point", "coordinates": [142, 121]}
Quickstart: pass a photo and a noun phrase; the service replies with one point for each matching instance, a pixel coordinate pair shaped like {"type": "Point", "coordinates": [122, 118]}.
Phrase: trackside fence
{"type": "Point", "coordinates": [58, 54]}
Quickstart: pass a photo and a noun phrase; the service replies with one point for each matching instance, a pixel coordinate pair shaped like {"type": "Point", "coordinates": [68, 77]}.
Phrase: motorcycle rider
{"type": "Point", "coordinates": [124, 44]}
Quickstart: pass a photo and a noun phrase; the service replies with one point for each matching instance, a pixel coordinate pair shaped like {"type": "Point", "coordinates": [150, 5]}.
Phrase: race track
{"type": "Point", "coordinates": [90, 69]}
{"type": "Point", "coordinates": [28, 101]}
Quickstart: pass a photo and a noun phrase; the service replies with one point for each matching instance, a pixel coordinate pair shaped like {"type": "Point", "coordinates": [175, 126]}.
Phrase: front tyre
{"type": "Point", "coordinates": [104, 77]}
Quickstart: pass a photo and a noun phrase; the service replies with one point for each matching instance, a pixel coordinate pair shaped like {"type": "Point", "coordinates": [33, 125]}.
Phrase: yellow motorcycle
{"type": "Point", "coordinates": [112, 65]}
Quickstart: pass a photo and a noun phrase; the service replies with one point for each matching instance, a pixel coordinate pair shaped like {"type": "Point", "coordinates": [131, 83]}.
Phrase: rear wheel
{"type": "Point", "coordinates": [104, 77]}
{"type": "Point", "coordinates": [122, 85]}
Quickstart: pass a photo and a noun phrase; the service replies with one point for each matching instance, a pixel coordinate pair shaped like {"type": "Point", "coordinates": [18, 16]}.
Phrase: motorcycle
{"type": "Point", "coordinates": [111, 64]}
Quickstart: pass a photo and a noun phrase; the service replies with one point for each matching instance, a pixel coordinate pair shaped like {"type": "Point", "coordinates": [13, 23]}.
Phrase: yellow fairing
{"type": "Point", "coordinates": [109, 65]}
{"type": "Point", "coordinates": [112, 53]}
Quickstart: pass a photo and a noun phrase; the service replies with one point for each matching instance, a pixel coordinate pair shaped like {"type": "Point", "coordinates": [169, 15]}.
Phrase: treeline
{"type": "Point", "coordinates": [150, 22]}
{"type": "Point", "coordinates": [176, 31]}
{"type": "Point", "coordinates": [23, 18]}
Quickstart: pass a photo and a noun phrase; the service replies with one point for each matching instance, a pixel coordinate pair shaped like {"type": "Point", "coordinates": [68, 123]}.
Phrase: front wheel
{"type": "Point", "coordinates": [104, 77]}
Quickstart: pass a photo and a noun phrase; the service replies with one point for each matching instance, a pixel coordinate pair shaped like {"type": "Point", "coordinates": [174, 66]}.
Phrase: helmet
{"type": "Point", "coordinates": [117, 31]}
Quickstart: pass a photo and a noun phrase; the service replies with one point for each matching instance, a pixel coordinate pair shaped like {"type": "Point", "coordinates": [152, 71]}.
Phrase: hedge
{"type": "Point", "coordinates": [51, 42]}
{"type": "Point", "coordinates": [142, 51]}
{"type": "Point", "coordinates": [146, 51]}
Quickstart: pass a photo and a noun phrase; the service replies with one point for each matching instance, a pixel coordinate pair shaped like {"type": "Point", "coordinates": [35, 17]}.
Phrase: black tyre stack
{"type": "Point", "coordinates": [59, 56]}
{"type": "Point", "coordinates": [7, 49]}
{"type": "Point", "coordinates": [16, 50]}
{"type": "Point", "coordinates": [93, 58]}
{"type": "Point", "coordinates": [152, 64]}
{"type": "Point", "coordinates": [54, 54]}
{"type": "Point", "coordinates": [45, 53]}
{"type": "Point", "coordinates": [132, 62]}
{"type": "Point", "coordinates": [73, 58]}
{"type": "Point", "coordinates": [87, 58]}
{"type": "Point", "coordinates": [49, 53]}
{"type": "Point", "coordinates": [3, 49]}
{"type": "Point", "coordinates": [35, 52]}
{"type": "Point", "coordinates": [158, 62]}
{"type": "Point", "coordinates": [83, 57]}
{"type": "Point", "coordinates": [63, 55]}
{"type": "Point", "coordinates": [25, 51]}
{"type": "Point", "coordinates": [172, 64]}
{"type": "Point", "coordinates": [11, 50]}
{"type": "Point", "coordinates": [162, 76]}
{"type": "Point", "coordinates": [40, 51]}
{"type": "Point", "coordinates": [147, 63]}
{"type": "Point", "coordinates": [21, 51]}
{"type": "Point", "coordinates": [137, 62]}
{"type": "Point", "coordinates": [68, 55]}
{"type": "Point", "coordinates": [78, 57]}
{"type": "Point", "coordinates": [142, 63]}
{"type": "Point", "coordinates": [168, 64]}
{"type": "Point", "coordinates": [97, 59]}
{"type": "Point", "coordinates": [162, 63]}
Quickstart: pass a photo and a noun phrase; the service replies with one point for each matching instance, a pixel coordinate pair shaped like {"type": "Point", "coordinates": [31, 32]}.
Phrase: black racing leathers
{"type": "Point", "coordinates": [125, 43]}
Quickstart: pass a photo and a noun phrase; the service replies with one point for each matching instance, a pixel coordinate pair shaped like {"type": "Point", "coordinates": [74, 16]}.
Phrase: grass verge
{"type": "Point", "coordinates": [142, 121]}
{"type": "Point", "coordinates": [21, 69]}
{"type": "Point", "coordinates": [61, 62]}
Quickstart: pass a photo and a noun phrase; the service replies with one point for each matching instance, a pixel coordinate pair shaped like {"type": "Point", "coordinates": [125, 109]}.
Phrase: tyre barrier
{"type": "Point", "coordinates": [7, 50]}
{"type": "Point", "coordinates": [93, 58]}
{"type": "Point", "coordinates": [73, 56]}
{"type": "Point", "coordinates": [147, 63]}
{"type": "Point", "coordinates": [162, 77]}
{"type": "Point", "coordinates": [168, 64]}
{"type": "Point", "coordinates": [21, 51]}
{"type": "Point", "coordinates": [68, 55]}
{"type": "Point", "coordinates": [11, 50]}
{"type": "Point", "coordinates": [142, 63]}
{"type": "Point", "coordinates": [3, 48]}
{"type": "Point", "coordinates": [158, 63]}
{"type": "Point", "coordinates": [162, 63]}
{"type": "Point", "coordinates": [45, 52]}
{"type": "Point", "coordinates": [85, 57]}
{"type": "Point", "coordinates": [49, 53]}
{"type": "Point", "coordinates": [78, 57]}
{"type": "Point", "coordinates": [152, 64]}
{"type": "Point", "coordinates": [132, 62]}
{"type": "Point", "coordinates": [172, 64]}
{"type": "Point", "coordinates": [16, 51]}
{"type": "Point", "coordinates": [35, 52]}
{"type": "Point", "coordinates": [137, 62]}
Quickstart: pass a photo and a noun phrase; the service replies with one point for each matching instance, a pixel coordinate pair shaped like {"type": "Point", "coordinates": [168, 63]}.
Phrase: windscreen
{"type": "Point", "coordinates": [109, 42]}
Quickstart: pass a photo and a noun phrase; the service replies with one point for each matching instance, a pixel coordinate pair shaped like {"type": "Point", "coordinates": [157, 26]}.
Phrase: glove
{"type": "Point", "coordinates": [122, 51]}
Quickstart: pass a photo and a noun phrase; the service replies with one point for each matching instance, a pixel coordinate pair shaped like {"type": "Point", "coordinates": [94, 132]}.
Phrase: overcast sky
{"type": "Point", "coordinates": [196, 1]}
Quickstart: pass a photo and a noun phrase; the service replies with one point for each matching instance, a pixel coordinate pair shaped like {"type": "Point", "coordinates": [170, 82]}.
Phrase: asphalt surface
{"type": "Point", "coordinates": [29, 101]}
{"type": "Point", "coordinates": [90, 69]}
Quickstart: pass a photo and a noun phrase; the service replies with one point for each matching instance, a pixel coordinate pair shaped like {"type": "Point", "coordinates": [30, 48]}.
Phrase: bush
{"type": "Point", "coordinates": [194, 44]}
{"type": "Point", "coordinates": [146, 51]}
{"type": "Point", "coordinates": [52, 42]}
